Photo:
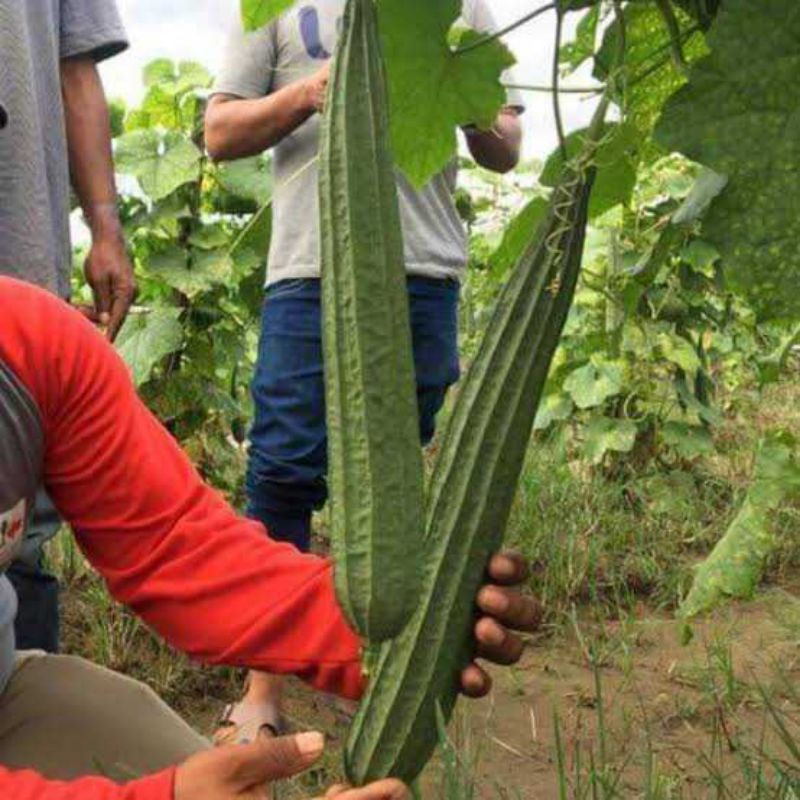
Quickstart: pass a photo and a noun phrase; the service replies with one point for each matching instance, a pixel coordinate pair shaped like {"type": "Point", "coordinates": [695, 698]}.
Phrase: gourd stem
{"type": "Point", "coordinates": [491, 37]}
{"type": "Point", "coordinates": [562, 139]}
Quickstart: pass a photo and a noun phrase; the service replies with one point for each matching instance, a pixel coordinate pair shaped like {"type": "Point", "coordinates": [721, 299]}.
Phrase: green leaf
{"type": "Point", "coordinates": [574, 53]}
{"type": "Point", "coordinates": [553, 408]}
{"type": "Point", "coordinates": [753, 137]}
{"type": "Point", "coordinates": [161, 164]}
{"type": "Point", "coordinates": [257, 13]}
{"type": "Point", "coordinates": [194, 273]}
{"type": "Point", "coordinates": [688, 441]}
{"type": "Point", "coordinates": [145, 339]}
{"type": "Point", "coordinates": [248, 178]}
{"type": "Point", "coordinates": [604, 435]}
{"type": "Point", "coordinates": [736, 564]}
{"type": "Point", "coordinates": [680, 352]}
{"type": "Point", "coordinates": [158, 71]}
{"type": "Point", "coordinates": [257, 234]}
{"type": "Point", "coordinates": [209, 237]}
{"type": "Point", "coordinates": [616, 161]}
{"type": "Point", "coordinates": [432, 89]}
{"type": "Point", "coordinates": [701, 257]}
{"type": "Point", "coordinates": [649, 75]}
{"type": "Point", "coordinates": [591, 385]}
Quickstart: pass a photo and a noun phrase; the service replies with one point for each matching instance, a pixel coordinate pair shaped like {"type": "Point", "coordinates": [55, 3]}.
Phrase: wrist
{"type": "Point", "coordinates": [103, 222]}
{"type": "Point", "coordinates": [308, 96]}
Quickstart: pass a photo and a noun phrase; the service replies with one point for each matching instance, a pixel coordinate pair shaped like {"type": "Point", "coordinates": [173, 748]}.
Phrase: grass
{"type": "Point", "coordinates": [612, 558]}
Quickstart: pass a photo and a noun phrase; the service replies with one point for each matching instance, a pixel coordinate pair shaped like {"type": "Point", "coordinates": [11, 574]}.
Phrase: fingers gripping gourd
{"type": "Point", "coordinates": [375, 470]}
{"type": "Point", "coordinates": [473, 486]}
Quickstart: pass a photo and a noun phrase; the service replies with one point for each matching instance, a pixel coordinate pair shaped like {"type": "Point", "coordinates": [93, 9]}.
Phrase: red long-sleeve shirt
{"type": "Point", "coordinates": [170, 548]}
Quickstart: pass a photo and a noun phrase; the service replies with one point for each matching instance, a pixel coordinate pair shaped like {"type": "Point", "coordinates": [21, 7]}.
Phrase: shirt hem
{"type": "Point", "coordinates": [311, 271]}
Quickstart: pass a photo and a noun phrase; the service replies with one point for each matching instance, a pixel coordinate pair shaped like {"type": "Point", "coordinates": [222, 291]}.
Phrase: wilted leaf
{"type": "Point", "coordinates": [736, 564]}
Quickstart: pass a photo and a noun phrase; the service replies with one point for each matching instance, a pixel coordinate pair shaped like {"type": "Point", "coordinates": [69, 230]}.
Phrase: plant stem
{"type": "Point", "coordinates": [562, 139]}
{"type": "Point", "coordinates": [491, 37]}
{"type": "Point", "coordinates": [523, 87]}
{"type": "Point", "coordinates": [676, 40]}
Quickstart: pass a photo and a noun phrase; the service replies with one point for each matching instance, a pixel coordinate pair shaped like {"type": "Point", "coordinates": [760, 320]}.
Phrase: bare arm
{"type": "Point", "coordinates": [237, 128]}
{"type": "Point", "coordinates": [108, 269]}
{"type": "Point", "coordinates": [497, 149]}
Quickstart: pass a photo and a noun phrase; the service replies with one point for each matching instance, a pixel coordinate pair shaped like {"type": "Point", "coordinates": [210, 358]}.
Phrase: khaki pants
{"type": "Point", "coordinates": [67, 718]}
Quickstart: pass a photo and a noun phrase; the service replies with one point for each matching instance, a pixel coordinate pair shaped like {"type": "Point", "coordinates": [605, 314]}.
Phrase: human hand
{"type": "Point", "coordinates": [504, 610]}
{"type": "Point", "coordinates": [245, 772]}
{"type": "Point", "coordinates": [316, 88]}
{"type": "Point", "coordinates": [110, 274]}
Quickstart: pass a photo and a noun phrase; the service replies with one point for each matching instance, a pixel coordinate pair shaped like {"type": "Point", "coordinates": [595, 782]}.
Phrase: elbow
{"type": "Point", "coordinates": [508, 162]}
{"type": "Point", "coordinates": [501, 162]}
{"type": "Point", "coordinates": [217, 142]}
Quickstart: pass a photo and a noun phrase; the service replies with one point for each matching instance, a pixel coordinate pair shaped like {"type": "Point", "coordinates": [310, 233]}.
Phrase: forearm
{"type": "Point", "coordinates": [89, 141]}
{"type": "Point", "coordinates": [237, 128]}
{"type": "Point", "coordinates": [30, 786]}
{"type": "Point", "coordinates": [213, 584]}
{"type": "Point", "coordinates": [497, 149]}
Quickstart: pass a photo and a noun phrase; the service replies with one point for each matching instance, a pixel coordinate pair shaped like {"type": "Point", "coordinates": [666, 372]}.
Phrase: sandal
{"type": "Point", "coordinates": [232, 730]}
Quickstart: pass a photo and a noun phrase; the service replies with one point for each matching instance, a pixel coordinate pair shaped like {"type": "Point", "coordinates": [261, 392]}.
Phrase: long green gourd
{"type": "Point", "coordinates": [473, 486]}
{"type": "Point", "coordinates": [376, 471]}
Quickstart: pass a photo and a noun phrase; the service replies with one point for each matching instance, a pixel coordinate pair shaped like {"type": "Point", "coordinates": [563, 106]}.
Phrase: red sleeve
{"type": "Point", "coordinates": [168, 546]}
{"type": "Point", "coordinates": [30, 786]}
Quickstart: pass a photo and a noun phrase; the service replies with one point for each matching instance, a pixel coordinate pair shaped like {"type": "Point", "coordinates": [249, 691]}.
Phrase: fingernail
{"type": "Point", "coordinates": [494, 636]}
{"type": "Point", "coordinates": [496, 602]}
{"type": "Point", "coordinates": [310, 744]}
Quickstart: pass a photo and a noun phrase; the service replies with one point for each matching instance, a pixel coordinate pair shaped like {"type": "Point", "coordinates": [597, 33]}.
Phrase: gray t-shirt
{"type": "Point", "coordinates": [35, 35]}
{"type": "Point", "coordinates": [21, 467]}
{"type": "Point", "coordinates": [293, 47]}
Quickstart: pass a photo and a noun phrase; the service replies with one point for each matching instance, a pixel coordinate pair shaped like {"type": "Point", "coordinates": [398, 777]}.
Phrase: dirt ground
{"type": "Point", "coordinates": [656, 717]}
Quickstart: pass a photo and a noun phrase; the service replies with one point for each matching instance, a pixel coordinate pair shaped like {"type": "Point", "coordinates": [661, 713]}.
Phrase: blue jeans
{"type": "Point", "coordinates": [288, 442]}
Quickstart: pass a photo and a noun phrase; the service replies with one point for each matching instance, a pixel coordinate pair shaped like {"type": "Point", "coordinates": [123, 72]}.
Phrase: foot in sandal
{"type": "Point", "coordinates": [256, 715]}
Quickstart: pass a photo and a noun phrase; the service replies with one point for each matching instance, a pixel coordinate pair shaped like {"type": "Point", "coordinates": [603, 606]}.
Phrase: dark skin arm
{"type": "Point", "coordinates": [237, 128]}
{"type": "Point", "coordinates": [108, 268]}
{"type": "Point", "coordinates": [497, 149]}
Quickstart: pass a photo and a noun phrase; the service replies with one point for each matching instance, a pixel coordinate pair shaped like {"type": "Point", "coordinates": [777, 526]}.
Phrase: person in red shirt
{"type": "Point", "coordinates": [172, 550]}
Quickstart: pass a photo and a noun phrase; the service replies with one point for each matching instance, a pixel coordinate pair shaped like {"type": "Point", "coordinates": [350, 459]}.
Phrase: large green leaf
{"type": "Point", "coordinates": [161, 164]}
{"type": "Point", "coordinates": [616, 162]}
{"type": "Point", "coordinates": [248, 178]}
{"type": "Point", "coordinates": [591, 385]}
{"type": "Point", "coordinates": [649, 75]}
{"type": "Point", "coordinates": [194, 273]}
{"type": "Point", "coordinates": [257, 13]}
{"type": "Point", "coordinates": [736, 564]}
{"type": "Point", "coordinates": [604, 435]}
{"type": "Point", "coordinates": [147, 338]}
{"type": "Point", "coordinates": [740, 116]}
{"type": "Point", "coordinates": [433, 89]}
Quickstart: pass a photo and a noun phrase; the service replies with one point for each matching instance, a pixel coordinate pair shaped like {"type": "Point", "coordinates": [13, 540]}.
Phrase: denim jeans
{"type": "Point", "coordinates": [288, 444]}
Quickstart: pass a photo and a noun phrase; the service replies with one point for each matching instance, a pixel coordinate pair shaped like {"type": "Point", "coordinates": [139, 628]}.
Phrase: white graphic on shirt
{"type": "Point", "coordinates": [12, 528]}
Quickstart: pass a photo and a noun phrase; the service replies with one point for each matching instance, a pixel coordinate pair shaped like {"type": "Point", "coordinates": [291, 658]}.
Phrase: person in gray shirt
{"type": "Point", "coordinates": [55, 131]}
{"type": "Point", "coordinates": [268, 95]}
